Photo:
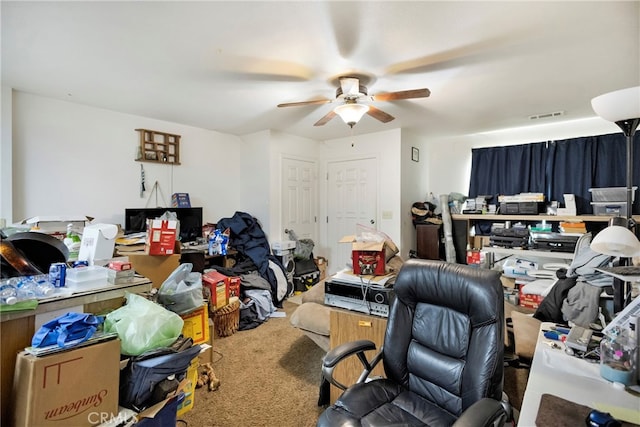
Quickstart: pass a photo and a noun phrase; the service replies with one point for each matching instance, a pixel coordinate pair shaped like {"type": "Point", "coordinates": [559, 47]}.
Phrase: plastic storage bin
{"type": "Point", "coordinates": [611, 194]}
{"type": "Point", "coordinates": [609, 208]}
{"type": "Point", "coordinates": [86, 278]}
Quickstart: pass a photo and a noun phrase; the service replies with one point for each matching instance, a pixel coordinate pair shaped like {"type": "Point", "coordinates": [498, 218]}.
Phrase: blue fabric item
{"type": "Point", "coordinates": [248, 238]}
{"type": "Point", "coordinates": [67, 330]}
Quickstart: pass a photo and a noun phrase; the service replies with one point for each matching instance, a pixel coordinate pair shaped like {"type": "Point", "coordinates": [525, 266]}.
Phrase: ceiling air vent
{"type": "Point", "coordinates": [546, 115]}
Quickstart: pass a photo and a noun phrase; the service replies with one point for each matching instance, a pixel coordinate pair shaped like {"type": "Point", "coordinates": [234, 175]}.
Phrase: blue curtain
{"type": "Point", "coordinates": [570, 166]}
{"type": "Point", "coordinates": [508, 170]}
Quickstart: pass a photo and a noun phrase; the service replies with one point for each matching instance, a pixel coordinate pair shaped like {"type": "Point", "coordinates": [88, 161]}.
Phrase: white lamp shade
{"type": "Point", "coordinates": [620, 105]}
{"type": "Point", "coordinates": [351, 113]}
{"type": "Point", "coordinates": [616, 241]}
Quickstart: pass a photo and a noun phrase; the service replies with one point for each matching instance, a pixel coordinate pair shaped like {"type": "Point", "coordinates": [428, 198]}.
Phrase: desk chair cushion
{"type": "Point", "coordinates": [443, 349]}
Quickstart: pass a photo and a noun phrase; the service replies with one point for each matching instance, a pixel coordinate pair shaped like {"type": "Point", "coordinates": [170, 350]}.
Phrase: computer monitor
{"type": "Point", "coordinates": [135, 220]}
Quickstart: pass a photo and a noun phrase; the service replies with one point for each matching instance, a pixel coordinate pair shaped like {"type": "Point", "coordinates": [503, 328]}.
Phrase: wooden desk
{"type": "Point", "coordinates": [201, 259]}
{"type": "Point", "coordinates": [17, 328]}
{"type": "Point", "coordinates": [346, 326]}
{"type": "Point", "coordinates": [555, 372]}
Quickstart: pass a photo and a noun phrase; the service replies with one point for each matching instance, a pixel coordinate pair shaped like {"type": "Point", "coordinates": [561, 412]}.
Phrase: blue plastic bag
{"type": "Point", "coordinates": [67, 330]}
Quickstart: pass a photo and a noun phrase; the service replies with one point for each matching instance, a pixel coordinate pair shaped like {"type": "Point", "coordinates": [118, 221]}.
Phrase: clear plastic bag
{"type": "Point", "coordinates": [143, 325]}
{"type": "Point", "coordinates": [182, 290]}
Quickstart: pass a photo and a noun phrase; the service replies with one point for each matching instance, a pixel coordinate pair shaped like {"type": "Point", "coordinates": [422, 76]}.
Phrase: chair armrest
{"type": "Point", "coordinates": [485, 412]}
{"type": "Point", "coordinates": [343, 351]}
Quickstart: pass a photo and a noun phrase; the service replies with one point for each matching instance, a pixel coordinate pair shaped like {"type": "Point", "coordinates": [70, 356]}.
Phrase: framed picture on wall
{"type": "Point", "coordinates": [415, 154]}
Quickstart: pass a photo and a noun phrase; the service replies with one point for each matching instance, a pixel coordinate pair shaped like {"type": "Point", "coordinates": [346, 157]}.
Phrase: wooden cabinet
{"type": "Point", "coordinates": [428, 241]}
{"type": "Point", "coordinates": [158, 147]}
{"type": "Point", "coordinates": [346, 326]}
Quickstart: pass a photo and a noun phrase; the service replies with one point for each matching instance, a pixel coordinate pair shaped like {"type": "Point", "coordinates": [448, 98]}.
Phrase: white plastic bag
{"type": "Point", "coordinates": [181, 292]}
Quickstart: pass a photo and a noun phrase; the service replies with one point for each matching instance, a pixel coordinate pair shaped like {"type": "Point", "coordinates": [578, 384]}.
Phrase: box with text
{"type": "Point", "coordinates": [77, 387]}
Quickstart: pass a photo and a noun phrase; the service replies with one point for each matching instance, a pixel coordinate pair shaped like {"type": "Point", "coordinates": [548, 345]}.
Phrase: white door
{"type": "Point", "coordinates": [299, 190]}
{"type": "Point", "coordinates": [352, 191]}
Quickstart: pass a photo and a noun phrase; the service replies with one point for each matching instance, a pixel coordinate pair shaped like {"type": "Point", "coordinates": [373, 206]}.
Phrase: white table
{"type": "Point", "coordinates": [555, 372]}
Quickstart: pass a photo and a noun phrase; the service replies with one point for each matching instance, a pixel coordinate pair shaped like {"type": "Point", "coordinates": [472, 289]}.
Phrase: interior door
{"type": "Point", "coordinates": [299, 190]}
{"type": "Point", "coordinates": [352, 199]}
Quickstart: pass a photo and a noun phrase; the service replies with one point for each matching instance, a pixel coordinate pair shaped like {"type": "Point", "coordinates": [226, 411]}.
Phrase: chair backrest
{"type": "Point", "coordinates": [445, 338]}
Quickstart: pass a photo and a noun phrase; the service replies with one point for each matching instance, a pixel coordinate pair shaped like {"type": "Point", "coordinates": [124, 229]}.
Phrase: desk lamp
{"type": "Point", "coordinates": [623, 108]}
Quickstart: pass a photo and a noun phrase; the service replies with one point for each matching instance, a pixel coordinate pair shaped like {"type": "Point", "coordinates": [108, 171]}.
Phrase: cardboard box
{"type": "Point", "coordinates": [180, 200]}
{"type": "Point", "coordinates": [369, 258]}
{"type": "Point", "coordinates": [120, 277]}
{"type": "Point", "coordinates": [161, 237]}
{"type": "Point", "coordinates": [480, 242]}
{"type": "Point", "coordinates": [529, 300]}
{"type": "Point", "coordinates": [78, 387]}
{"type": "Point", "coordinates": [154, 268]}
{"type": "Point", "coordinates": [219, 287]}
{"type": "Point", "coordinates": [368, 262]}
{"type": "Point", "coordinates": [189, 389]}
{"type": "Point", "coordinates": [206, 355]}
{"type": "Point", "coordinates": [196, 325]}
{"type": "Point", "coordinates": [321, 263]}
{"type": "Point", "coordinates": [98, 241]}
{"type": "Point", "coordinates": [233, 286]}
{"type": "Point", "coordinates": [119, 265]}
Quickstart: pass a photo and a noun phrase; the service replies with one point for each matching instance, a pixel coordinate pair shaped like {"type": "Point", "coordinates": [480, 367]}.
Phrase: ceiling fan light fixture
{"type": "Point", "coordinates": [351, 113]}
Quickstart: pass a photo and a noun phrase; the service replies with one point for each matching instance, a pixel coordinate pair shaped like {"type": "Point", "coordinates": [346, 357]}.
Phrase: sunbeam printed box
{"type": "Point", "coordinates": [72, 388]}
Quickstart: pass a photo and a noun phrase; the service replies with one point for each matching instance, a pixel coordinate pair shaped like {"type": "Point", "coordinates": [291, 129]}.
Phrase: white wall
{"type": "Point", "coordinates": [6, 181]}
{"type": "Point", "coordinates": [70, 159]}
{"type": "Point", "coordinates": [253, 172]}
{"type": "Point", "coordinates": [415, 183]}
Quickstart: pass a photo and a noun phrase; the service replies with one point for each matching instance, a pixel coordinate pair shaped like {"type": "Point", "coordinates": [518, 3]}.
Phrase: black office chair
{"type": "Point", "coordinates": [442, 354]}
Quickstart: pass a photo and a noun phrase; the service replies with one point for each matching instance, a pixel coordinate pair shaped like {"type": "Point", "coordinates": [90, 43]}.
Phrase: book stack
{"type": "Point", "coordinates": [573, 227]}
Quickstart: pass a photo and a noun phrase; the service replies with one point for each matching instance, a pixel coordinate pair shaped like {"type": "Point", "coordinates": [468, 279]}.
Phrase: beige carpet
{"type": "Point", "coordinates": [269, 376]}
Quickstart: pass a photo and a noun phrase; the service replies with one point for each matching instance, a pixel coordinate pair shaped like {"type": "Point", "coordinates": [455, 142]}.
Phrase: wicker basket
{"type": "Point", "coordinates": [226, 319]}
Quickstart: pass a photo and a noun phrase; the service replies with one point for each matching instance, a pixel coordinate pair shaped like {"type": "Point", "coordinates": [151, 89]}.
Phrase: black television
{"type": "Point", "coordinates": [135, 220]}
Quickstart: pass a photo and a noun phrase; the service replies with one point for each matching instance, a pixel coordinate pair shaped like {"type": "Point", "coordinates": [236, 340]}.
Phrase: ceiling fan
{"type": "Point", "coordinates": [350, 110]}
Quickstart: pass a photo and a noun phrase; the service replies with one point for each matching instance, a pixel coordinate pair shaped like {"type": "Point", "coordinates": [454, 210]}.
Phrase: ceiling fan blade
{"type": "Point", "coordinates": [301, 103]}
{"type": "Point", "coordinates": [379, 114]}
{"type": "Point", "coordinates": [403, 94]}
{"type": "Point", "coordinates": [330, 115]}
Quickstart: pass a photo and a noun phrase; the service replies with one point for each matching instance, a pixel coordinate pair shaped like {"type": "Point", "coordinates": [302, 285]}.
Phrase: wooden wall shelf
{"type": "Point", "coordinates": [158, 147]}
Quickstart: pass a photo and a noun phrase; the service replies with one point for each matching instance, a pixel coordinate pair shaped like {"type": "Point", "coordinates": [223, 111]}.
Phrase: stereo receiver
{"type": "Point", "coordinates": [369, 299]}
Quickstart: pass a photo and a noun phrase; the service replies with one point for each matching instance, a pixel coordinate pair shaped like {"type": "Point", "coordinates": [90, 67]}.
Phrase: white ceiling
{"type": "Point", "coordinates": [225, 66]}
